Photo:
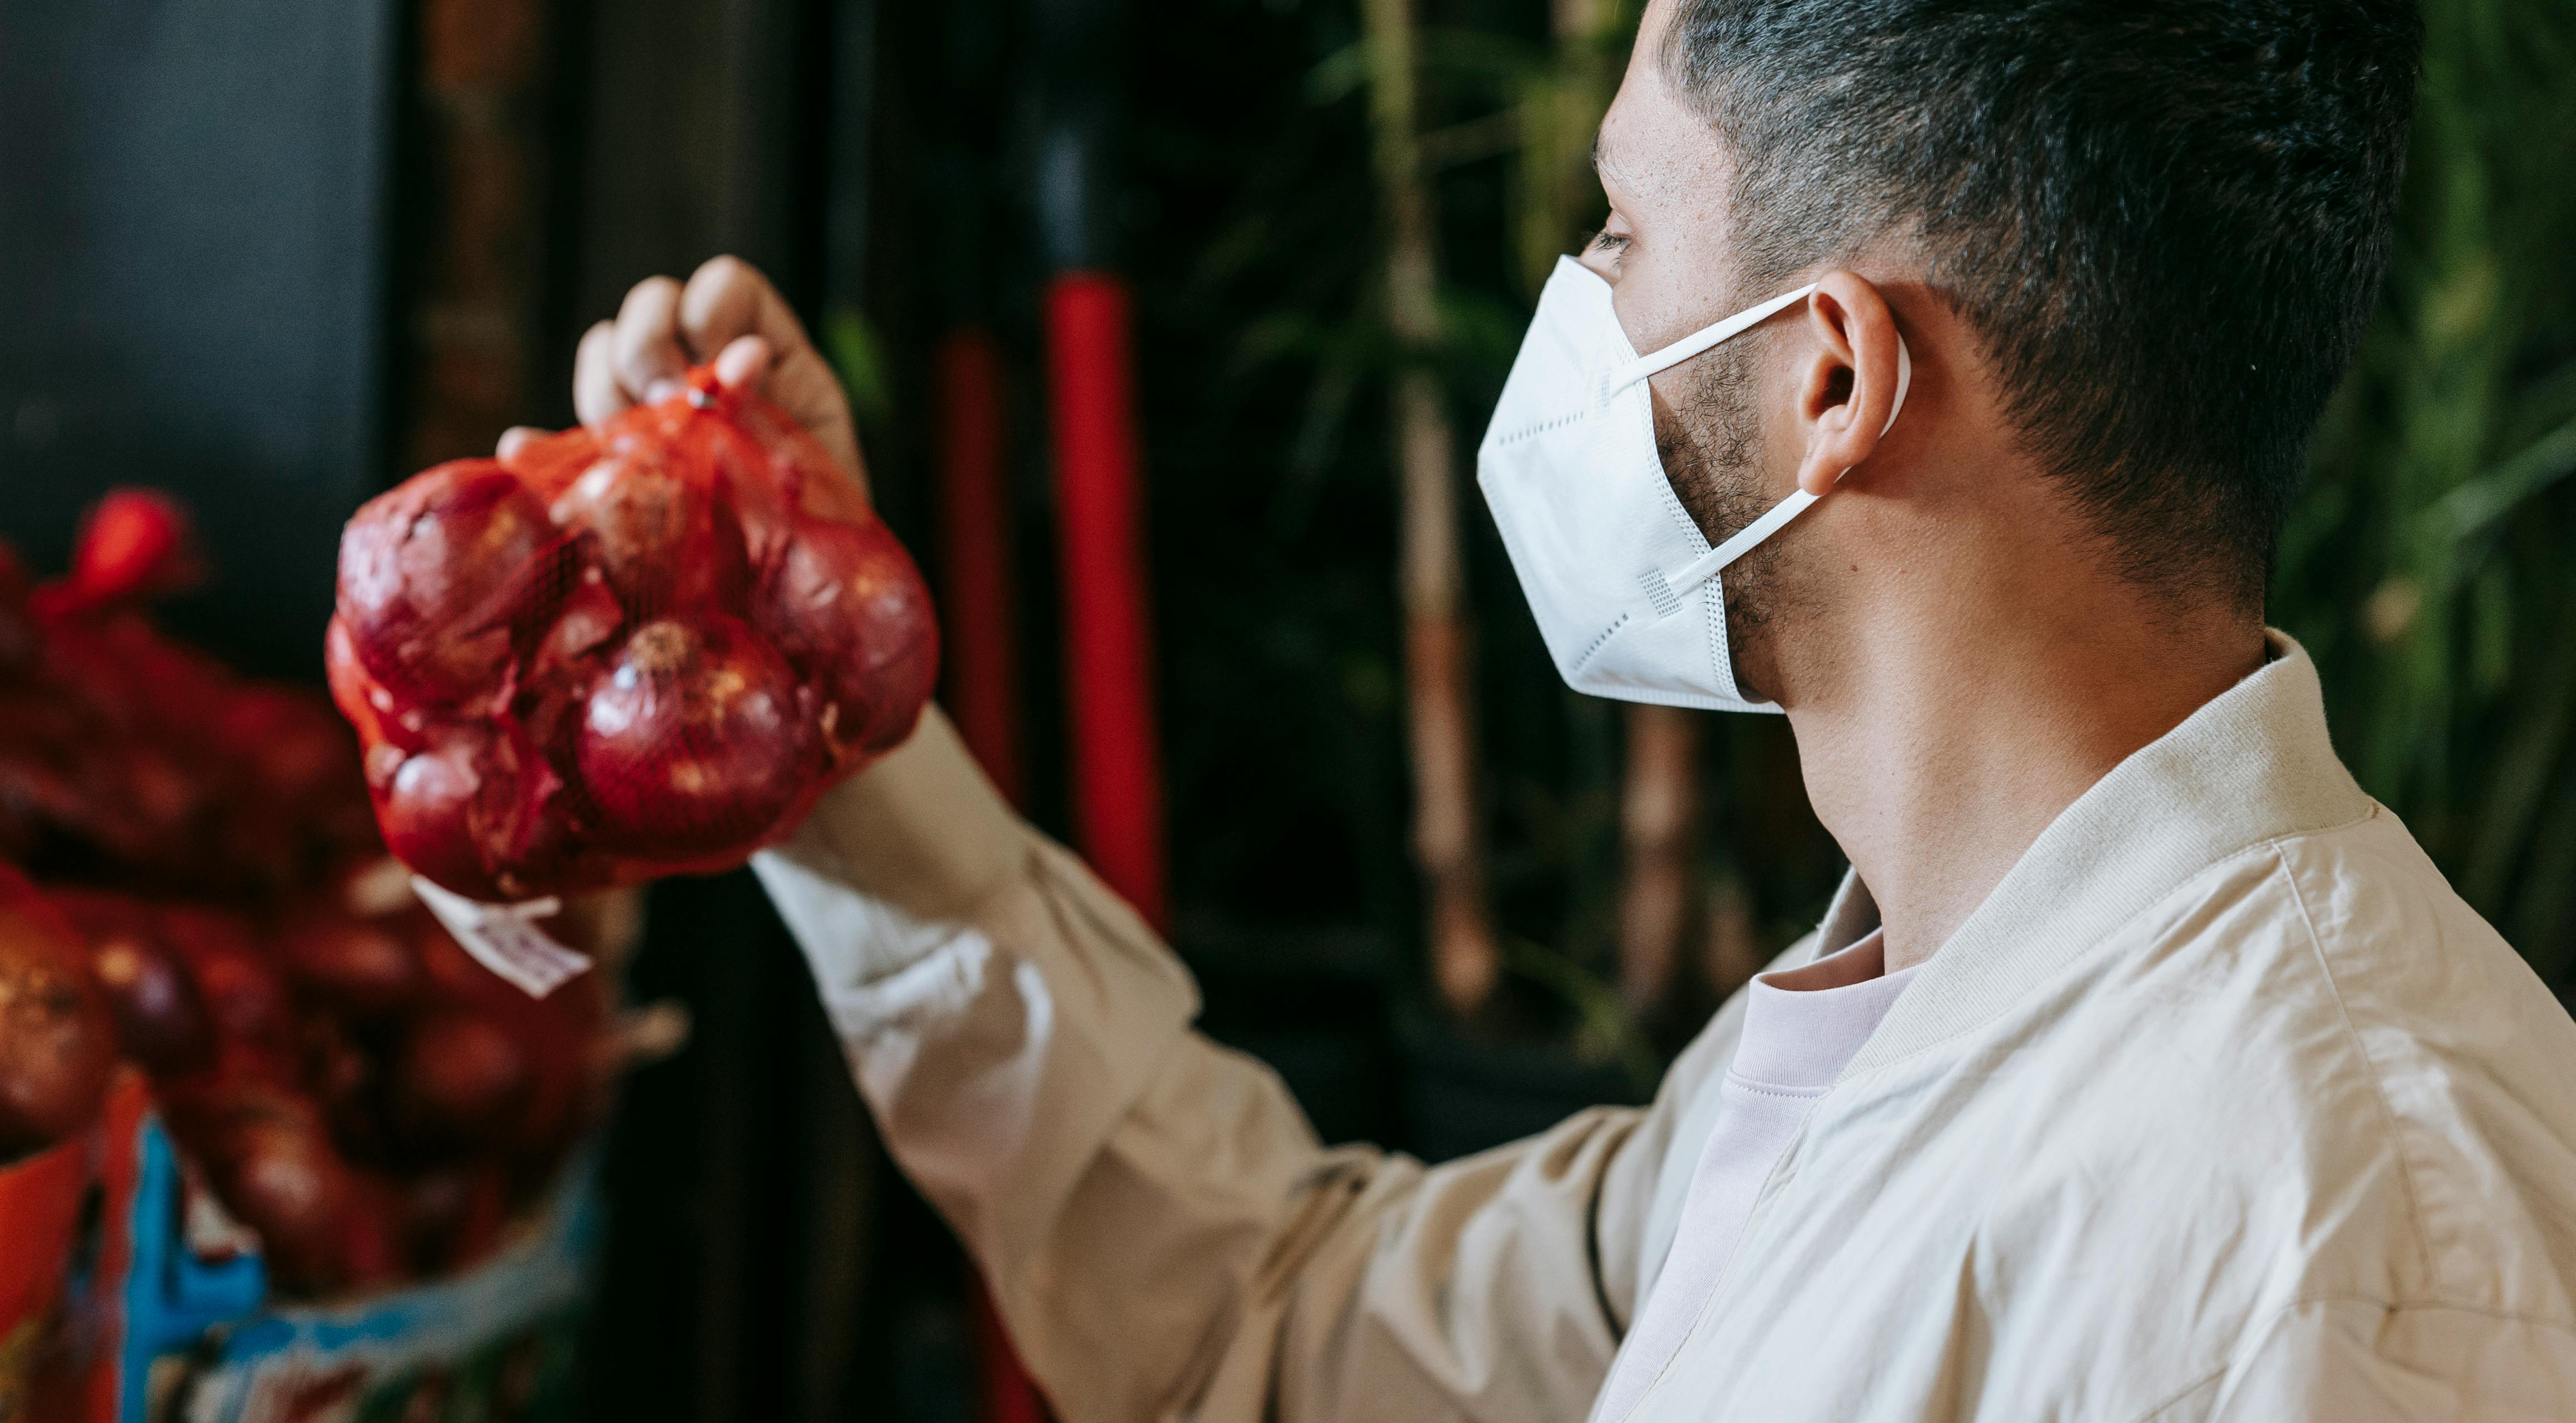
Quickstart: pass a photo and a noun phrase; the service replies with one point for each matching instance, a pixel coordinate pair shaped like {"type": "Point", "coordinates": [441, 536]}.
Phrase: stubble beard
{"type": "Point", "coordinates": [1711, 452]}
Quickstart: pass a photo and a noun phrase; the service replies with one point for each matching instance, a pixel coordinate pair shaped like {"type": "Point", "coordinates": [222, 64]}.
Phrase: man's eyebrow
{"type": "Point", "coordinates": [1604, 166]}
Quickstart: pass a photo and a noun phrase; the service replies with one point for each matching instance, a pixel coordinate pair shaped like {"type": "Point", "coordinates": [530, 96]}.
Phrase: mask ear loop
{"type": "Point", "coordinates": [1622, 377]}
{"type": "Point", "coordinates": [1699, 570]}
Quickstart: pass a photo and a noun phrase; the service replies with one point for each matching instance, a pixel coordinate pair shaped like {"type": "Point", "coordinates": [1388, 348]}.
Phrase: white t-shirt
{"type": "Point", "coordinates": [1802, 1027]}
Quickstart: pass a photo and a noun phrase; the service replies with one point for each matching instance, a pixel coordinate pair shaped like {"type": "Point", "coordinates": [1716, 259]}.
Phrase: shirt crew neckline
{"type": "Point", "coordinates": [1802, 1025]}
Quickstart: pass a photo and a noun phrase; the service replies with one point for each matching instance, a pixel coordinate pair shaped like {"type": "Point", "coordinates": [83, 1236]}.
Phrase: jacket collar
{"type": "Point", "coordinates": [2253, 765]}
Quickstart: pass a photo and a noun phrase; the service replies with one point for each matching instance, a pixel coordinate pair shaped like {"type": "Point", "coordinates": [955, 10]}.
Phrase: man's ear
{"type": "Point", "coordinates": [1848, 388]}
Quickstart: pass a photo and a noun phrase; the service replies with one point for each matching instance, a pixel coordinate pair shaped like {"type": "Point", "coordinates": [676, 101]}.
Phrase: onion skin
{"type": "Point", "coordinates": [350, 965]}
{"type": "Point", "coordinates": [293, 800]}
{"type": "Point", "coordinates": [453, 1217]}
{"type": "Point", "coordinates": [451, 975]}
{"type": "Point", "coordinates": [458, 1082]}
{"type": "Point", "coordinates": [666, 543]}
{"type": "Point", "coordinates": [427, 815]}
{"type": "Point", "coordinates": [246, 998]}
{"type": "Point", "coordinates": [588, 622]}
{"type": "Point", "coordinates": [267, 1153]}
{"type": "Point", "coordinates": [343, 1069]}
{"type": "Point", "coordinates": [372, 710]}
{"type": "Point", "coordinates": [289, 749]}
{"type": "Point", "coordinates": [848, 607]}
{"type": "Point", "coordinates": [285, 1182]}
{"type": "Point", "coordinates": [696, 741]}
{"type": "Point", "coordinates": [549, 464]}
{"type": "Point", "coordinates": [161, 1018]}
{"type": "Point", "coordinates": [57, 1046]}
{"type": "Point", "coordinates": [423, 574]}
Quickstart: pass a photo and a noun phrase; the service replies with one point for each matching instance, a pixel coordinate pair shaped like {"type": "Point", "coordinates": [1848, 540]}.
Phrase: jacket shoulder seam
{"type": "Point", "coordinates": [2370, 1067]}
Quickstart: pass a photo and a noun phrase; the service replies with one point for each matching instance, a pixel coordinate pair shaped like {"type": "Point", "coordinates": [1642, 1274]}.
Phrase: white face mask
{"type": "Point", "coordinates": [1625, 587]}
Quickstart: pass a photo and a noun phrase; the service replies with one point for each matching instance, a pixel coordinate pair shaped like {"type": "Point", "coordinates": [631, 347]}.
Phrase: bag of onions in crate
{"type": "Point", "coordinates": [56, 1052]}
{"type": "Point", "coordinates": [57, 1045]}
{"type": "Point", "coordinates": [622, 653]}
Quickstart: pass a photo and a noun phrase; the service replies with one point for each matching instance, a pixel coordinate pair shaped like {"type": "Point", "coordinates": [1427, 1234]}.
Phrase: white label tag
{"type": "Point", "coordinates": [501, 938]}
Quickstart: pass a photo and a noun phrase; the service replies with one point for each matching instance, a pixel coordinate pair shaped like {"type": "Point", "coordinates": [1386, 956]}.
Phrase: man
{"type": "Point", "coordinates": [2143, 1068]}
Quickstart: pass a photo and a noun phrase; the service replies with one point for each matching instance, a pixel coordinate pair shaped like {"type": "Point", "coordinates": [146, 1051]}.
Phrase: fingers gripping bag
{"type": "Point", "coordinates": [622, 653]}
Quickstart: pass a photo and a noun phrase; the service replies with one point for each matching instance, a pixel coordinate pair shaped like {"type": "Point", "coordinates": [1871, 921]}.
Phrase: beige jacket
{"type": "Point", "coordinates": [2221, 1106]}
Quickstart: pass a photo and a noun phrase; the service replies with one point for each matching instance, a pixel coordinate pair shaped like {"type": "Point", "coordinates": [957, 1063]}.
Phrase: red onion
{"type": "Point", "coordinates": [354, 966]}
{"type": "Point", "coordinates": [667, 543]}
{"type": "Point", "coordinates": [285, 745]}
{"type": "Point", "coordinates": [342, 1070]}
{"type": "Point", "coordinates": [458, 1081]}
{"type": "Point", "coordinates": [588, 619]}
{"type": "Point", "coordinates": [427, 814]}
{"type": "Point", "coordinates": [56, 1042]}
{"type": "Point", "coordinates": [378, 716]}
{"type": "Point", "coordinates": [270, 1159]}
{"type": "Point", "coordinates": [450, 974]}
{"type": "Point", "coordinates": [161, 1019]}
{"type": "Point", "coordinates": [848, 607]}
{"type": "Point", "coordinates": [245, 998]}
{"type": "Point", "coordinates": [425, 574]}
{"type": "Point", "coordinates": [695, 741]}
{"type": "Point", "coordinates": [453, 1216]}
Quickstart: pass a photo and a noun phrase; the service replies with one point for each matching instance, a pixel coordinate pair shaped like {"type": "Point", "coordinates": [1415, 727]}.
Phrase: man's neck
{"type": "Point", "coordinates": [1936, 750]}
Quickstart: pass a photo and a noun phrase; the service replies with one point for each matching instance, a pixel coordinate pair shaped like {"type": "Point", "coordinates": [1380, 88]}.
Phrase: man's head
{"type": "Point", "coordinates": [2152, 230]}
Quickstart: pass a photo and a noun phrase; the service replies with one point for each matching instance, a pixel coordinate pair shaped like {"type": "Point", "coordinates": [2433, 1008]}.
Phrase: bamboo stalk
{"type": "Point", "coordinates": [1658, 833]}
{"type": "Point", "coordinates": [1440, 723]}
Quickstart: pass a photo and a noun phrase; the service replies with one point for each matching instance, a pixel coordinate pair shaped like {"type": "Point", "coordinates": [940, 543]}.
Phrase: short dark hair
{"type": "Point", "coordinates": [2167, 220]}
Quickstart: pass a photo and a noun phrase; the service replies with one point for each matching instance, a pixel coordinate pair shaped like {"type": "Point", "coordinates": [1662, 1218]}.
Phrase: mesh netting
{"type": "Point", "coordinates": [623, 653]}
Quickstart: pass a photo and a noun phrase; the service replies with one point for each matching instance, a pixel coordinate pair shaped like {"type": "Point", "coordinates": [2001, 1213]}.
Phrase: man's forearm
{"type": "Point", "coordinates": [1163, 1233]}
{"type": "Point", "coordinates": [928, 912]}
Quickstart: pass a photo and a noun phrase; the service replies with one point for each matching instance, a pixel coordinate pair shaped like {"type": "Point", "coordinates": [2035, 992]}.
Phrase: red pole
{"type": "Point", "coordinates": [981, 642]}
{"type": "Point", "coordinates": [1007, 1395]}
{"type": "Point", "coordinates": [979, 650]}
{"type": "Point", "coordinates": [1117, 759]}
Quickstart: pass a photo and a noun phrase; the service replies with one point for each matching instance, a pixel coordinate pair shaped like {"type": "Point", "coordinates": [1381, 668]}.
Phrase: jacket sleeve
{"type": "Point", "coordinates": [1163, 1233]}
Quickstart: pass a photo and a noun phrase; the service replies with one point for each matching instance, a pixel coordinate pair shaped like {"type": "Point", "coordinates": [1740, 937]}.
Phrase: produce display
{"type": "Point", "coordinates": [56, 1045]}
{"type": "Point", "coordinates": [371, 1103]}
{"type": "Point", "coordinates": [211, 903]}
{"type": "Point", "coordinates": [622, 653]}
{"type": "Point", "coordinates": [125, 755]}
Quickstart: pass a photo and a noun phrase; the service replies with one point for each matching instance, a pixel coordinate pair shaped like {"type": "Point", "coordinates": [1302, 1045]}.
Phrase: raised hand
{"type": "Point", "coordinates": [728, 313]}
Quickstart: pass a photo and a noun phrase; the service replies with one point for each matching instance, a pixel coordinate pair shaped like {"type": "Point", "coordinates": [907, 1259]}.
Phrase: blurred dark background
{"type": "Point", "coordinates": [276, 254]}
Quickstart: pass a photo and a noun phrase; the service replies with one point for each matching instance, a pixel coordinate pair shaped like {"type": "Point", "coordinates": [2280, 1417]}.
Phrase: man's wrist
{"type": "Point", "coordinates": [922, 830]}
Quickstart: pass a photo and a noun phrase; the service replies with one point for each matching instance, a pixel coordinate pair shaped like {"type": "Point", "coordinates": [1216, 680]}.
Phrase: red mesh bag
{"type": "Point", "coordinates": [623, 653]}
{"type": "Point", "coordinates": [126, 756]}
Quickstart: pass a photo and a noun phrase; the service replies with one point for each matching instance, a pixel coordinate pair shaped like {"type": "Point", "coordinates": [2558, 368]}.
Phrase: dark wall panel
{"type": "Point", "coordinates": [193, 274]}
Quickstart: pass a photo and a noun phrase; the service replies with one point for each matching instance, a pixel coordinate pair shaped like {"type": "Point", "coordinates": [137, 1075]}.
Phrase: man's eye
{"type": "Point", "coordinates": [1607, 241]}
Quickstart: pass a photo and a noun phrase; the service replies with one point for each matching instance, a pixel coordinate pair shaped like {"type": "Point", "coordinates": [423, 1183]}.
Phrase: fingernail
{"type": "Point", "coordinates": [662, 389]}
